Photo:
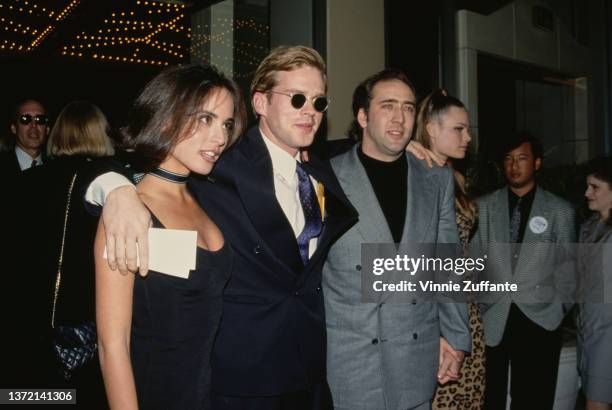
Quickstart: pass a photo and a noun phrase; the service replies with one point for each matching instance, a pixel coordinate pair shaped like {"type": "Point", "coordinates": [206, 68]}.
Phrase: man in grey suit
{"type": "Point", "coordinates": [523, 327]}
{"type": "Point", "coordinates": [385, 355]}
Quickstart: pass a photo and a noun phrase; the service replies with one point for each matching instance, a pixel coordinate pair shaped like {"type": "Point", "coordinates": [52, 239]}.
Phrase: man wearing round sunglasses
{"type": "Point", "coordinates": [30, 126]}
{"type": "Point", "coordinates": [280, 215]}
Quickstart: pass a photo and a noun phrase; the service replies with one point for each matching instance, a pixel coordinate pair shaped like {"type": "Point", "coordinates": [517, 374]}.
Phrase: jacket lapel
{"type": "Point", "coordinates": [538, 209]}
{"type": "Point", "coordinates": [499, 235]}
{"type": "Point", "coordinates": [499, 216]}
{"type": "Point", "coordinates": [340, 215]}
{"type": "Point", "coordinates": [256, 189]}
{"type": "Point", "coordinates": [421, 198]}
{"type": "Point", "coordinates": [373, 226]}
{"type": "Point", "coordinates": [15, 161]}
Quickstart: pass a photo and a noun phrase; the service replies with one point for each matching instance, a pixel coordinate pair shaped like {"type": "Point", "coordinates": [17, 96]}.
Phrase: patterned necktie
{"type": "Point", "coordinates": [515, 222]}
{"type": "Point", "coordinates": [312, 212]}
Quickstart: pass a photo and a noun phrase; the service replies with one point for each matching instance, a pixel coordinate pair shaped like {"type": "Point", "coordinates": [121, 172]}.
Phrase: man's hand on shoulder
{"type": "Point", "coordinates": [419, 151]}
{"type": "Point", "coordinates": [126, 222]}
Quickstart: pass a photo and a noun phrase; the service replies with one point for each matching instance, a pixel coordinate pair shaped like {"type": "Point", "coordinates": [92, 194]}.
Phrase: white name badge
{"type": "Point", "coordinates": [538, 224]}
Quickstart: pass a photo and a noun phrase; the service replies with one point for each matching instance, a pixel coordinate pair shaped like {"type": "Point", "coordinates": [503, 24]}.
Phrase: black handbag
{"type": "Point", "coordinates": [74, 346]}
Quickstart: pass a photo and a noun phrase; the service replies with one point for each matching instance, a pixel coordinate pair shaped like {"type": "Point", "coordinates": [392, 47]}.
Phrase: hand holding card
{"type": "Point", "coordinates": [172, 251]}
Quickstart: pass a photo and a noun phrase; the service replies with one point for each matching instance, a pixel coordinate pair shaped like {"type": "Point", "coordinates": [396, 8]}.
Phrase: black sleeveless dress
{"type": "Point", "coordinates": [174, 323]}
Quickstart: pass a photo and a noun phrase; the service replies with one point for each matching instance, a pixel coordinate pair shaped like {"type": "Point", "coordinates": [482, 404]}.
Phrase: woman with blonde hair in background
{"type": "Point", "coordinates": [59, 272]}
{"type": "Point", "coordinates": [443, 128]}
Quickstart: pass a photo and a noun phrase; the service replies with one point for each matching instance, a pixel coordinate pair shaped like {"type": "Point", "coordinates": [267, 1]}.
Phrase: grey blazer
{"type": "Point", "coordinates": [538, 281]}
{"type": "Point", "coordinates": [384, 355]}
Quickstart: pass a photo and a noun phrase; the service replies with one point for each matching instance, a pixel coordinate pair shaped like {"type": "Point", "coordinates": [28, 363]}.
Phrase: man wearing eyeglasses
{"type": "Point", "coordinates": [280, 216]}
{"type": "Point", "coordinates": [30, 127]}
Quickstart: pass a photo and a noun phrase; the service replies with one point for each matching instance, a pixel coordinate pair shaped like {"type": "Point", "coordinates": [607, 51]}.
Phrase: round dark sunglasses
{"type": "Point", "coordinates": [298, 100]}
{"type": "Point", "coordinates": [39, 119]}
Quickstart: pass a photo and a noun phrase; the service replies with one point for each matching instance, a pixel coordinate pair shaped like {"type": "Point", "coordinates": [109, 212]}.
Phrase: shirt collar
{"type": "Point", "coordinates": [526, 200]}
{"type": "Point", "coordinates": [283, 164]}
{"type": "Point", "coordinates": [24, 159]}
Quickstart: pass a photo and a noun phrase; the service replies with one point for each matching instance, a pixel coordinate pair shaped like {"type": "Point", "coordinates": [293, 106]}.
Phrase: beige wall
{"type": "Point", "coordinates": [355, 49]}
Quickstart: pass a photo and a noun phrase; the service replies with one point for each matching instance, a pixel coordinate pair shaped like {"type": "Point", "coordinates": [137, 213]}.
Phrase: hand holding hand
{"type": "Point", "coordinates": [450, 362]}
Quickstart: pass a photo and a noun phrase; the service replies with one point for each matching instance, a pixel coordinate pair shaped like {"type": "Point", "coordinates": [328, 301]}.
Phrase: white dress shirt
{"type": "Point", "coordinates": [285, 188]}
{"type": "Point", "coordinates": [25, 160]}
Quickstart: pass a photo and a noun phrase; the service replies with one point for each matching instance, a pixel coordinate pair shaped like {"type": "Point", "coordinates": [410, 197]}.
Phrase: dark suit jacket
{"type": "Point", "coordinates": [9, 166]}
{"type": "Point", "coordinates": [272, 335]}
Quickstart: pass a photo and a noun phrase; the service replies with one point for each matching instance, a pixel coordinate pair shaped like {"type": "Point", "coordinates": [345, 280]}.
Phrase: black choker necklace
{"type": "Point", "coordinates": [169, 176]}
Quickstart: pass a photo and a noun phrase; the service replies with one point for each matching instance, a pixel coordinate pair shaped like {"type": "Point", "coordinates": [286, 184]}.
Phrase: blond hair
{"type": "Point", "coordinates": [81, 129]}
{"type": "Point", "coordinates": [285, 58]}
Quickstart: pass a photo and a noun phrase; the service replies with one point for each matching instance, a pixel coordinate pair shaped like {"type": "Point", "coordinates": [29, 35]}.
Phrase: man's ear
{"type": "Point", "coordinates": [362, 118]}
{"type": "Point", "coordinates": [538, 164]}
{"type": "Point", "coordinates": [13, 129]}
{"type": "Point", "coordinates": [260, 103]}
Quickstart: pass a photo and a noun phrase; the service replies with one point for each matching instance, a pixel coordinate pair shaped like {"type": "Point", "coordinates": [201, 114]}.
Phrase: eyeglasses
{"type": "Point", "coordinates": [39, 119]}
{"type": "Point", "coordinates": [298, 100]}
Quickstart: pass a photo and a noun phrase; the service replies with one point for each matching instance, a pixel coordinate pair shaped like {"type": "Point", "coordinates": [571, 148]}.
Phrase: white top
{"type": "Point", "coordinates": [286, 188]}
{"type": "Point", "coordinates": [25, 160]}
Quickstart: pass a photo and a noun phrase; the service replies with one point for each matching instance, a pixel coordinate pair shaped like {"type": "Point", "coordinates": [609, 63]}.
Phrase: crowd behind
{"type": "Point", "coordinates": [271, 317]}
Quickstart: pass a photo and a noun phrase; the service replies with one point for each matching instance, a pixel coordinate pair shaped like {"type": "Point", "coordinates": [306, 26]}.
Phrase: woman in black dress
{"type": "Point", "coordinates": [156, 333]}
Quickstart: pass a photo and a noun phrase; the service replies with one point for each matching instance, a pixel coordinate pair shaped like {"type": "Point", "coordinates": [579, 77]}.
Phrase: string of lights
{"type": "Point", "coordinates": [58, 18]}
{"type": "Point", "coordinates": [140, 32]}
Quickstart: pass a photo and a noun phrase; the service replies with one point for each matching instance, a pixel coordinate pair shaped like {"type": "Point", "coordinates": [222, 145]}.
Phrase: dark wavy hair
{"type": "Point", "coordinates": [166, 107]}
{"type": "Point", "coordinates": [363, 95]}
{"type": "Point", "coordinates": [601, 168]}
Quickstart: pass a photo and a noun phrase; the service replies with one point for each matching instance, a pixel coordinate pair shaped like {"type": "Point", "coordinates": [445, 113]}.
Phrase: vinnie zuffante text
{"type": "Point", "coordinates": [457, 266]}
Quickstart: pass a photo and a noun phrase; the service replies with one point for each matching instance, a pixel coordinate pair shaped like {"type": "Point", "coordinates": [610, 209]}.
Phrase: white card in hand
{"type": "Point", "coordinates": [171, 251]}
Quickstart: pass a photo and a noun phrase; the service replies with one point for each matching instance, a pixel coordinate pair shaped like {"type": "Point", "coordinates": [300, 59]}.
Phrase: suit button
{"type": "Point", "coordinates": [257, 249]}
{"type": "Point", "coordinates": [374, 341]}
{"type": "Point", "coordinates": [318, 289]}
{"type": "Point", "coordinates": [297, 293]}
{"type": "Point", "coordinates": [415, 336]}
{"type": "Point", "coordinates": [358, 267]}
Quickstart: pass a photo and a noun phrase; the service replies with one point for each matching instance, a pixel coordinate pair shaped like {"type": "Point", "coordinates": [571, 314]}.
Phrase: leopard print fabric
{"type": "Point", "coordinates": [468, 392]}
